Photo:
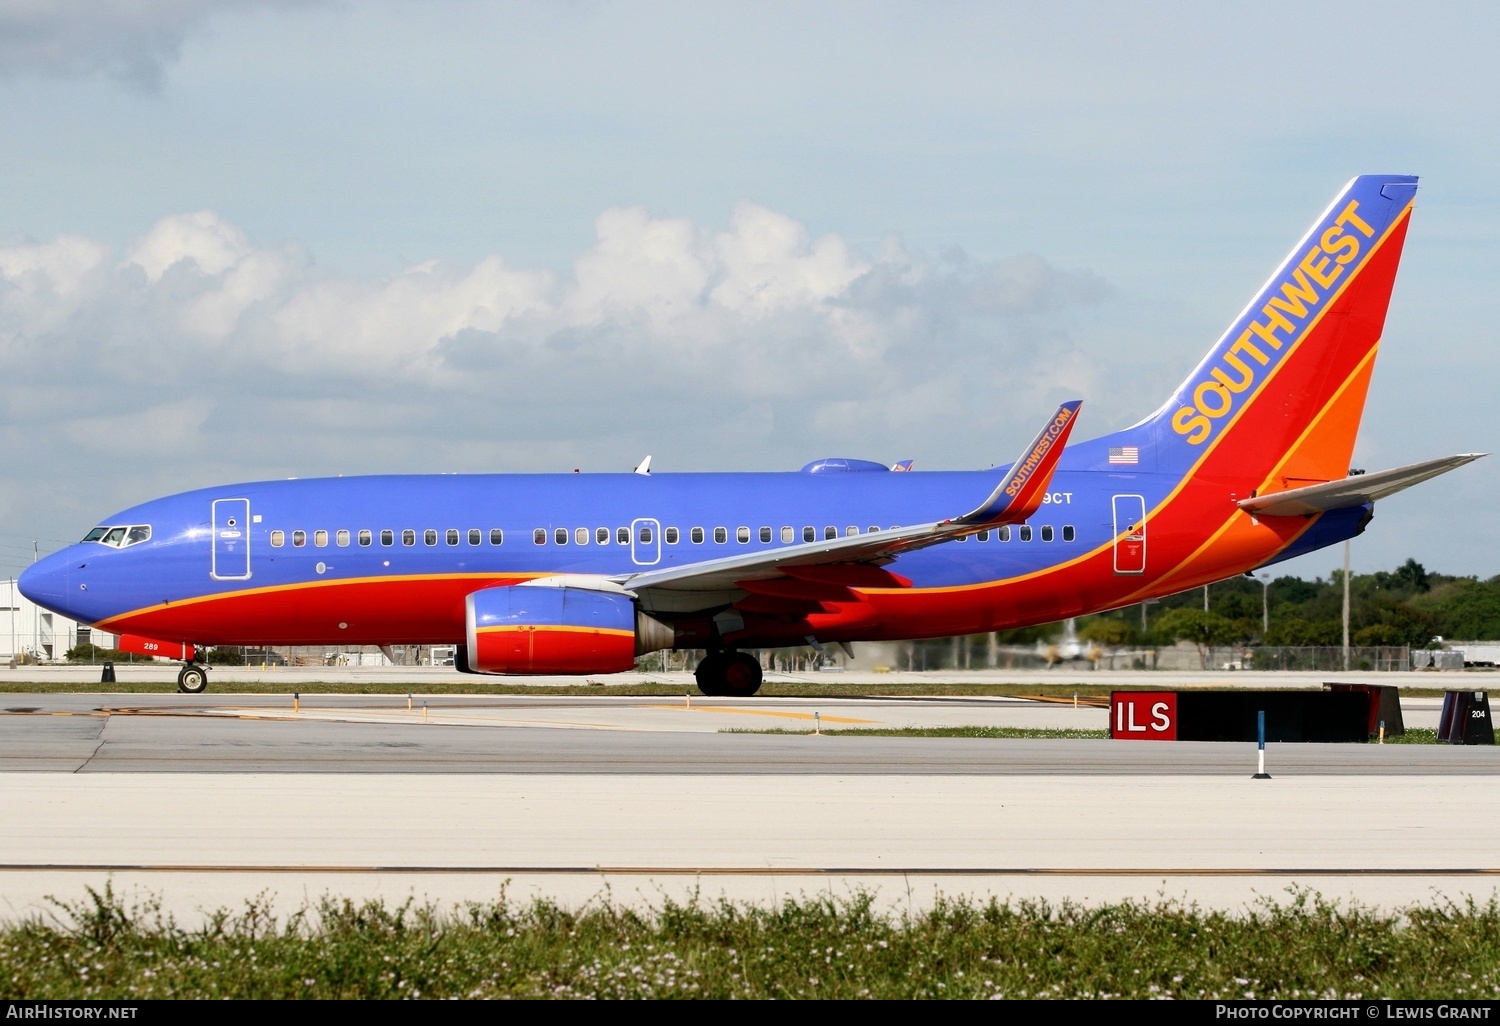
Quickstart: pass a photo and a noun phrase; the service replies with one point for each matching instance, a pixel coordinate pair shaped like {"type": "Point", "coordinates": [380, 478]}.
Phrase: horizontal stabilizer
{"type": "Point", "coordinates": [1021, 493]}
{"type": "Point", "coordinates": [1351, 491]}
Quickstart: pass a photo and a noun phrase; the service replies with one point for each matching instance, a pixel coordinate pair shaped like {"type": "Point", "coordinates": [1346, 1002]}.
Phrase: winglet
{"type": "Point", "coordinates": [1021, 493]}
{"type": "Point", "coordinates": [644, 467]}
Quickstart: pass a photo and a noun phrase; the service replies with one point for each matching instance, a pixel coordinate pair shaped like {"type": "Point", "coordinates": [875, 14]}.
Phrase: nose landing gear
{"type": "Point", "coordinates": [192, 679]}
{"type": "Point", "coordinates": [732, 674]}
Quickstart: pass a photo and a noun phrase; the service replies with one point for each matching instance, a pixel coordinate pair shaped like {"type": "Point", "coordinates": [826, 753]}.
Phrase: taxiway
{"type": "Point", "coordinates": [205, 802]}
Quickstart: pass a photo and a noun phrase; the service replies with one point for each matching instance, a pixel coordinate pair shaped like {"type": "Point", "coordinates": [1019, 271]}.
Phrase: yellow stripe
{"type": "Point", "coordinates": [808, 717]}
{"type": "Point", "coordinates": [1312, 425]}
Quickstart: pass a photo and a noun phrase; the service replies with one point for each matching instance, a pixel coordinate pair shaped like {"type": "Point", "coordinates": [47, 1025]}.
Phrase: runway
{"type": "Point", "coordinates": [208, 801]}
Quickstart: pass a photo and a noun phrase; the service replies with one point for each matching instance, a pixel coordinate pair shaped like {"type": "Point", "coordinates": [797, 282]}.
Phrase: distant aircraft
{"type": "Point", "coordinates": [1246, 464]}
{"type": "Point", "coordinates": [1068, 648]}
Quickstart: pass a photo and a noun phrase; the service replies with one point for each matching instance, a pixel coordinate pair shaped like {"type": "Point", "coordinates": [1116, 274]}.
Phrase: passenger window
{"type": "Point", "coordinates": [984, 536]}
{"type": "Point", "coordinates": [451, 536]}
{"type": "Point", "coordinates": [278, 539]}
{"type": "Point", "coordinates": [1047, 533]}
{"type": "Point", "coordinates": [721, 535]}
{"type": "Point", "coordinates": [850, 532]}
{"type": "Point", "coordinates": [497, 536]}
{"type": "Point", "coordinates": [788, 535]}
{"type": "Point", "coordinates": [581, 535]}
{"type": "Point", "coordinates": [871, 530]}
{"type": "Point", "coordinates": [320, 539]}
{"type": "Point", "coordinates": [670, 535]}
{"type": "Point", "coordinates": [408, 537]}
{"type": "Point", "coordinates": [1068, 533]}
{"type": "Point", "coordinates": [138, 535]}
{"type": "Point", "coordinates": [429, 537]}
{"type": "Point", "coordinates": [765, 534]}
{"type": "Point", "coordinates": [560, 535]}
{"type": "Point", "coordinates": [365, 537]}
{"type": "Point", "coordinates": [387, 537]}
{"type": "Point", "coordinates": [475, 536]}
{"type": "Point", "coordinates": [1003, 534]}
{"type": "Point", "coordinates": [622, 535]}
{"type": "Point", "coordinates": [299, 538]}
{"type": "Point", "coordinates": [644, 534]}
{"type": "Point", "coordinates": [539, 536]}
{"type": "Point", "coordinates": [742, 535]}
{"type": "Point", "coordinates": [830, 533]}
{"type": "Point", "coordinates": [1026, 533]}
{"type": "Point", "coordinates": [696, 534]}
{"type": "Point", "coordinates": [342, 539]}
{"type": "Point", "coordinates": [809, 534]}
{"type": "Point", "coordinates": [601, 535]}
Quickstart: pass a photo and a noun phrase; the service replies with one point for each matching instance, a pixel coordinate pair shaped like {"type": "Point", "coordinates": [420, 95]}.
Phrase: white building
{"type": "Point", "coordinates": [26, 627]}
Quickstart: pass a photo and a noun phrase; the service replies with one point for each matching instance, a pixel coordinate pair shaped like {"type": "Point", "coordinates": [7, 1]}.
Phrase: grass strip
{"type": "Point", "coordinates": [1299, 947]}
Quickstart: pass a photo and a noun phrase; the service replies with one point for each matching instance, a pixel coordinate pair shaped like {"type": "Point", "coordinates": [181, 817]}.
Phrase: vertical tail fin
{"type": "Point", "coordinates": [1279, 398]}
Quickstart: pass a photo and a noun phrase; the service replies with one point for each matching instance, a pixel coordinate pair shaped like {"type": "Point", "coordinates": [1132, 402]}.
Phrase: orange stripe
{"type": "Point", "coordinates": [554, 628]}
{"type": "Point", "coordinates": [498, 576]}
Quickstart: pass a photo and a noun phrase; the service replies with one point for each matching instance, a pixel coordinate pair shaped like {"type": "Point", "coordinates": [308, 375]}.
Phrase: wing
{"type": "Point", "coordinates": [1351, 491]}
{"type": "Point", "coordinates": [1017, 497]}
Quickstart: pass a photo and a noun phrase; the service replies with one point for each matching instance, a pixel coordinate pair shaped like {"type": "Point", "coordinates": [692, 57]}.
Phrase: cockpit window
{"type": "Point", "coordinates": [120, 537]}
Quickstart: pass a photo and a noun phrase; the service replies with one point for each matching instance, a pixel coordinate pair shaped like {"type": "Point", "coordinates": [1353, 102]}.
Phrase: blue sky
{"type": "Point", "coordinates": [243, 240]}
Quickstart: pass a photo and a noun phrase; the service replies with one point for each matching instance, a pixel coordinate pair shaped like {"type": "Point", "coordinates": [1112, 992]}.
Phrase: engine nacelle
{"type": "Point", "coordinates": [527, 629]}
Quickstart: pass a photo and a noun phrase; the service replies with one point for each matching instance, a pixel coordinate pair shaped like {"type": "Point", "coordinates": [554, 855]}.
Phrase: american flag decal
{"type": "Point", "coordinates": [1124, 454]}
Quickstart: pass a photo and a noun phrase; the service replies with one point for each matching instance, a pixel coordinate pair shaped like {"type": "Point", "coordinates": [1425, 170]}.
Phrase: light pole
{"type": "Point", "coordinates": [1346, 606]}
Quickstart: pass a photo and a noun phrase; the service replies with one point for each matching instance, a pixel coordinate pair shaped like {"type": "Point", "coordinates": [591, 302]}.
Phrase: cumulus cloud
{"type": "Point", "coordinates": [760, 305]}
{"type": "Point", "coordinates": [197, 354]}
{"type": "Point", "coordinates": [128, 40]}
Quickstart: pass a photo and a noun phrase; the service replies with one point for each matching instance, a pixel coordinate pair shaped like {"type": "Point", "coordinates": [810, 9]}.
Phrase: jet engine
{"type": "Point", "coordinates": [548, 627]}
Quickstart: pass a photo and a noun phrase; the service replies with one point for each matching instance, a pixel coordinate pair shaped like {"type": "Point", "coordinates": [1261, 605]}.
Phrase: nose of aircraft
{"type": "Point", "coordinates": [45, 582]}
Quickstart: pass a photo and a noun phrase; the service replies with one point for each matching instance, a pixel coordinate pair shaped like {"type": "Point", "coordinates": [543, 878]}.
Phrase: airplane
{"type": "Point", "coordinates": [1069, 648]}
{"type": "Point", "coordinates": [1244, 465]}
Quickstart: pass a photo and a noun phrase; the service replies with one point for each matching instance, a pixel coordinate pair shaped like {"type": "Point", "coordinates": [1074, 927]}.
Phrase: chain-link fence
{"type": "Point", "coordinates": [1328, 658]}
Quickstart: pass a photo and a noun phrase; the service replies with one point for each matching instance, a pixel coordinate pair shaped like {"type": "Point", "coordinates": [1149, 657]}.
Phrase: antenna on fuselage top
{"type": "Point", "coordinates": [644, 468]}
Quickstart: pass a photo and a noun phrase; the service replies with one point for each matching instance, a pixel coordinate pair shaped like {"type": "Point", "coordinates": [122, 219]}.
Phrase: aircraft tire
{"type": "Point", "coordinates": [192, 680]}
{"type": "Point", "coordinates": [742, 675]}
{"type": "Point", "coordinates": [710, 674]}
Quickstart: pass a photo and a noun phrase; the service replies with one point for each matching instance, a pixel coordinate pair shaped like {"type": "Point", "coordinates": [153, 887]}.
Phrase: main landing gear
{"type": "Point", "coordinates": [733, 674]}
{"type": "Point", "coordinates": [192, 679]}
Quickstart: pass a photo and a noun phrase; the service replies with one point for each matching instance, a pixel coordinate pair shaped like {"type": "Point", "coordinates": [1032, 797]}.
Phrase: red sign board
{"type": "Point", "coordinates": [1143, 715]}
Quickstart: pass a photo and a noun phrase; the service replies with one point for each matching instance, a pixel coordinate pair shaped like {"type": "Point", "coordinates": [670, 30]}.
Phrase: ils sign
{"type": "Point", "coordinates": [1143, 715]}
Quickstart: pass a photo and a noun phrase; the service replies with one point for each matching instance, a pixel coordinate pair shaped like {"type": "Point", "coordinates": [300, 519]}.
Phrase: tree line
{"type": "Point", "coordinates": [1407, 606]}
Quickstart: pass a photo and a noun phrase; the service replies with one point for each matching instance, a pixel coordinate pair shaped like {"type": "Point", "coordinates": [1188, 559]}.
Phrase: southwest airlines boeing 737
{"type": "Point", "coordinates": [1246, 464]}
